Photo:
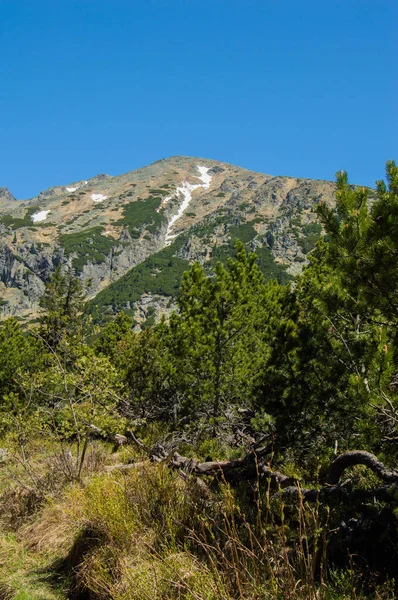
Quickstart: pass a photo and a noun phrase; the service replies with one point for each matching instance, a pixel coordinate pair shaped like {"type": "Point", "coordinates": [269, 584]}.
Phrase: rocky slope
{"type": "Point", "coordinates": [130, 237]}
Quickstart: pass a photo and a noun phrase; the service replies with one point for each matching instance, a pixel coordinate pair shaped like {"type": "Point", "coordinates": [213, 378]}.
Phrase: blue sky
{"type": "Point", "coordinates": [282, 87]}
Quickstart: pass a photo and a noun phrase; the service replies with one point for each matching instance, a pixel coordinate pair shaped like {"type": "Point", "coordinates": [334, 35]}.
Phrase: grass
{"type": "Point", "coordinates": [147, 532]}
{"type": "Point", "coordinates": [23, 574]}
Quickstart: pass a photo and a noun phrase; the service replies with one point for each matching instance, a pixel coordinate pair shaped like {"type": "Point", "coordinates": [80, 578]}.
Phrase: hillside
{"type": "Point", "coordinates": [246, 447]}
{"type": "Point", "coordinates": [130, 237]}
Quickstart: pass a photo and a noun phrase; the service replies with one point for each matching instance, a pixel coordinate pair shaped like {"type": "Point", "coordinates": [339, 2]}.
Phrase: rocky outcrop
{"type": "Point", "coordinates": [5, 195]}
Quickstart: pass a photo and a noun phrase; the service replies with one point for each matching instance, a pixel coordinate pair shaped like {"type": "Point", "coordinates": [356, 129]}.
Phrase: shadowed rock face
{"type": "Point", "coordinates": [134, 234]}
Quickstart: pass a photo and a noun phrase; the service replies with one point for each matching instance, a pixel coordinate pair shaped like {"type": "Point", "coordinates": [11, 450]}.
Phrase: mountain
{"type": "Point", "coordinates": [131, 237]}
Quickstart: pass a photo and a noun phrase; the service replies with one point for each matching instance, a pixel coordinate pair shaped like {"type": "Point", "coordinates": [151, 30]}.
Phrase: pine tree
{"type": "Point", "coordinates": [219, 335]}
{"type": "Point", "coordinates": [332, 371]}
{"type": "Point", "coordinates": [62, 308]}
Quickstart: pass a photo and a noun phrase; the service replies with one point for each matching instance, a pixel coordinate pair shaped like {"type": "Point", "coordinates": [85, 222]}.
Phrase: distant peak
{"type": "Point", "coordinates": [5, 194]}
{"type": "Point", "coordinates": [99, 177]}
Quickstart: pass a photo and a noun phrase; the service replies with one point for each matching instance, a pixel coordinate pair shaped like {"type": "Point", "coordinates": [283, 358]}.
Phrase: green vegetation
{"type": "Point", "coordinates": [161, 274]}
{"type": "Point", "coordinates": [270, 268]}
{"type": "Point", "coordinates": [311, 232]}
{"type": "Point", "coordinates": [17, 222]}
{"type": "Point", "coordinates": [159, 192]}
{"type": "Point", "coordinates": [266, 262]}
{"type": "Point", "coordinates": [140, 214]}
{"type": "Point", "coordinates": [244, 448]}
{"type": "Point", "coordinates": [89, 245]}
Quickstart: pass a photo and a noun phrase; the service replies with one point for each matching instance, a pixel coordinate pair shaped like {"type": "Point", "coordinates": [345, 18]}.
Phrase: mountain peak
{"type": "Point", "coordinates": [6, 195]}
{"type": "Point", "coordinates": [130, 237]}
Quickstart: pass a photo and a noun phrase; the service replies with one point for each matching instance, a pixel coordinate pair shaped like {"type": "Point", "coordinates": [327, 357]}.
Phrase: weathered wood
{"type": "Point", "coordinates": [359, 457]}
{"type": "Point", "coordinates": [325, 494]}
{"type": "Point", "coordinates": [253, 467]}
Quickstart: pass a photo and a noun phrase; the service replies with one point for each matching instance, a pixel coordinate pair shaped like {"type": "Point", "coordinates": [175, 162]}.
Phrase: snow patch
{"type": "Point", "coordinates": [185, 190]}
{"type": "Point", "coordinates": [165, 201]}
{"type": "Point", "coordinates": [204, 177]}
{"type": "Point", "coordinates": [71, 189]}
{"type": "Point", "coordinates": [98, 197]}
{"type": "Point", "coordinates": [40, 216]}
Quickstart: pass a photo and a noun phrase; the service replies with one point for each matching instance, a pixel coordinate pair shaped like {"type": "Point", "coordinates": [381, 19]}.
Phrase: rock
{"type": "Point", "coordinates": [6, 195]}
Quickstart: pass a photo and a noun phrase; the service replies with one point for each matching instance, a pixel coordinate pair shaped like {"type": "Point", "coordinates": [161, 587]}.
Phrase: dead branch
{"type": "Point", "coordinates": [359, 457]}
{"type": "Point", "coordinates": [253, 467]}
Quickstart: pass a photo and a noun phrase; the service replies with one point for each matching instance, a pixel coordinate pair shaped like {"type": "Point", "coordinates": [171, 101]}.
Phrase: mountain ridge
{"type": "Point", "coordinates": [175, 210]}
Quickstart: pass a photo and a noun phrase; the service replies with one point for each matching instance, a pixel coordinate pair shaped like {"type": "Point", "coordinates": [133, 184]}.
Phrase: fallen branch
{"type": "Point", "coordinates": [359, 457]}
{"type": "Point", "coordinates": [253, 467]}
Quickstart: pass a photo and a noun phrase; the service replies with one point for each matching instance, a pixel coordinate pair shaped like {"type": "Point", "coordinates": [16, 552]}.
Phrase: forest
{"type": "Point", "coordinates": [245, 448]}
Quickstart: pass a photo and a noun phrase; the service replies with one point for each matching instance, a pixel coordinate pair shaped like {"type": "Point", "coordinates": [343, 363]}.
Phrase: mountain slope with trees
{"type": "Point", "coordinates": [129, 238]}
{"type": "Point", "coordinates": [245, 447]}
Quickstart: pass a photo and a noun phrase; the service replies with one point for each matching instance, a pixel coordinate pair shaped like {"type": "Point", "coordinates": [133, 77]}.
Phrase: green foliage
{"type": "Point", "coordinates": [244, 232]}
{"type": "Point", "coordinates": [20, 356]}
{"type": "Point", "coordinates": [105, 342]}
{"type": "Point", "coordinates": [333, 365]}
{"type": "Point", "coordinates": [159, 192]}
{"type": "Point", "coordinates": [17, 222]}
{"type": "Point", "coordinates": [62, 307]}
{"type": "Point", "coordinates": [161, 274]}
{"type": "Point", "coordinates": [220, 332]}
{"type": "Point", "coordinates": [316, 364]}
{"type": "Point", "coordinates": [270, 268]}
{"type": "Point", "coordinates": [311, 233]}
{"type": "Point", "coordinates": [148, 371]}
{"type": "Point", "coordinates": [89, 245]}
{"type": "Point", "coordinates": [142, 214]}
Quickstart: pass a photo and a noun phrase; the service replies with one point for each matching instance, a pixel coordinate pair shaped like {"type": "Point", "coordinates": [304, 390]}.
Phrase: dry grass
{"type": "Point", "coordinates": [147, 533]}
